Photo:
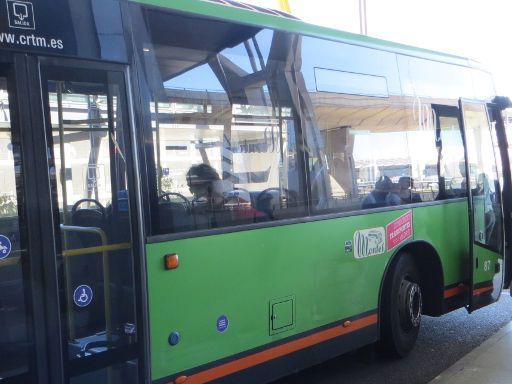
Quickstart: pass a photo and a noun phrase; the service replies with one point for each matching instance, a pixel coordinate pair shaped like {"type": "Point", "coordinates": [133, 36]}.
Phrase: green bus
{"type": "Point", "coordinates": [208, 191]}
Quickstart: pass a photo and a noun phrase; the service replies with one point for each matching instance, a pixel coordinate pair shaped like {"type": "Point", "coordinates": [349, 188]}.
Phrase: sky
{"type": "Point", "coordinates": [480, 30]}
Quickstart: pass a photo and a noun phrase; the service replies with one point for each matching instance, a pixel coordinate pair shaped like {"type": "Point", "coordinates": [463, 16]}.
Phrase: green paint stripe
{"type": "Point", "coordinates": [264, 20]}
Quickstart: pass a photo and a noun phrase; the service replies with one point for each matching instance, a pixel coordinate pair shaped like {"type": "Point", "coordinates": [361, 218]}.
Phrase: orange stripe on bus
{"type": "Point", "coordinates": [461, 288]}
{"type": "Point", "coordinates": [278, 351]}
{"type": "Point", "coordinates": [479, 291]}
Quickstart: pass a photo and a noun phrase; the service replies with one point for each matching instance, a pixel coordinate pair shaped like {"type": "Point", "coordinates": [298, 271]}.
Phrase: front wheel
{"type": "Point", "coordinates": [401, 308]}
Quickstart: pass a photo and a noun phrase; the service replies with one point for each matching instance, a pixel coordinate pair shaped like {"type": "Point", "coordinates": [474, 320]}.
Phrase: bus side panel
{"type": "Point", "coordinates": [432, 224]}
{"type": "Point", "coordinates": [309, 268]}
{"type": "Point", "coordinates": [450, 219]}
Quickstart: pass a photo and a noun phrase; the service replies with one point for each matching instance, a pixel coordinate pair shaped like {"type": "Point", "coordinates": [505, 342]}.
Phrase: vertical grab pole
{"type": "Point", "coordinates": [67, 266]}
{"type": "Point", "coordinates": [158, 154]}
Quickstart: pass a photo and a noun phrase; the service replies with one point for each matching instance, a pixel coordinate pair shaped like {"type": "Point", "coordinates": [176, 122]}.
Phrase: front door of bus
{"type": "Point", "coordinates": [486, 225]}
{"type": "Point", "coordinates": [91, 177]}
{"type": "Point", "coordinates": [68, 229]}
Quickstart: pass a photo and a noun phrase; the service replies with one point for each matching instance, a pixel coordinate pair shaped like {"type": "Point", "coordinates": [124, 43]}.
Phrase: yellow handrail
{"type": "Point", "coordinates": [10, 261]}
{"type": "Point", "coordinates": [100, 248]}
{"type": "Point", "coordinates": [104, 248]}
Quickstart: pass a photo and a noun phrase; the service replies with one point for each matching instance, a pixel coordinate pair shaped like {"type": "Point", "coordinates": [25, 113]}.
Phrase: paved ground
{"type": "Point", "coordinates": [442, 341]}
{"type": "Point", "coordinates": [489, 363]}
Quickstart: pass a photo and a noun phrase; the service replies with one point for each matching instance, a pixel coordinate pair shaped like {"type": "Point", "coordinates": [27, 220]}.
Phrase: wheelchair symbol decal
{"type": "Point", "coordinates": [83, 296]}
{"type": "Point", "coordinates": [5, 247]}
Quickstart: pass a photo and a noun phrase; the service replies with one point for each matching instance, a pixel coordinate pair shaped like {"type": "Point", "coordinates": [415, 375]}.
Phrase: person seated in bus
{"type": "Point", "coordinates": [383, 195]}
{"type": "Point", "coordinates": [206, 187]}
{"type": "Point", "coordinates": [207, 206]}
{"type": "Point", "coordinates": [407, 196]}
{"type": "Point", "coordinates": [239, 203]}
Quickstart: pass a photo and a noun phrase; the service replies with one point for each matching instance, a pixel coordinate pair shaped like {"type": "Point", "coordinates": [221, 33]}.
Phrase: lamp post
{"type": "Point", "coordinates": [362, 18]}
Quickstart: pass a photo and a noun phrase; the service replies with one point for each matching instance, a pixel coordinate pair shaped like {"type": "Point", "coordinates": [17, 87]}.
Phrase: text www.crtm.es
{"type": "Point", "coordinates": [31, 40]}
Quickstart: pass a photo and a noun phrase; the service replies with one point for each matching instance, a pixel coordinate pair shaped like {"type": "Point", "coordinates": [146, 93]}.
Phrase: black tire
{"type": "Point", "coordinates": [401, 308]}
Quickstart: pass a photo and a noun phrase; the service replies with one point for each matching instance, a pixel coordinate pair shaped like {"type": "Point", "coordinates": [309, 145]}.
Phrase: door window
{"type": "Point", "coordinates": [483, 176]}
{"type": "Point", "coordinates": [88, 128]}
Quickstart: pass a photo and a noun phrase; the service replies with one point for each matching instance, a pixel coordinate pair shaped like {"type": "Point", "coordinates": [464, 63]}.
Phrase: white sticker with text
{"type": "Point", "coordinates": [369, 242]}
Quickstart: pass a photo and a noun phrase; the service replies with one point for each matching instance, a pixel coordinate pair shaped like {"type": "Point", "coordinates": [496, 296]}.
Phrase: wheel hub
{"type": "Point", "coordinates": [410, 305]}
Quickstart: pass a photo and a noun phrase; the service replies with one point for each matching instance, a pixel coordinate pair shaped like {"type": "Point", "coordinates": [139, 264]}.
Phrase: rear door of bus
{"type": "Point", "coordinates": [484, 205]}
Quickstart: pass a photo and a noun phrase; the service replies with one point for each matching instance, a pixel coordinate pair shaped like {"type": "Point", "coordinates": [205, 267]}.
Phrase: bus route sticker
{"type": "Point", "coordinates": [5, 246]}
{"type": "Point", "coordinates": [369, 242]}
{"type": "Point", "coordinates": [399, 230]}
{"type": "Point", "coordinates": [82, 296]}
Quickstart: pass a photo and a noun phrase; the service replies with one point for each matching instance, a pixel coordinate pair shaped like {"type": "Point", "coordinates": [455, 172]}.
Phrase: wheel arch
{"type": "Point", "coordinates": [431, 275]}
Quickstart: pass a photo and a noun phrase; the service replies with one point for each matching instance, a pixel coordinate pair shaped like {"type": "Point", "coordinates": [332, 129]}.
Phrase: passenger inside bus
{"type": "Point", "coordinates": [209, 198]}
{"type": "Point", "coordinates": [407, 196]}
{"type": "Point", "coordinates": [383, 195]}
{"type": "Point", "coordinates": [206, 187]}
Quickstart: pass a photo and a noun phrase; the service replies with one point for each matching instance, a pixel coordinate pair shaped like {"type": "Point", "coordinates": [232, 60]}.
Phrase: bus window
{"type": "Point", "coordinates": [223, 129]}
{"type": "Point", "coordinates": [359, 155]}
{"type": "Point", "coordinates": [15, 343]}
{"type": "Point", "coordinates": [369, 148]}
{"type": "Point", "coordinates": [452, 157]}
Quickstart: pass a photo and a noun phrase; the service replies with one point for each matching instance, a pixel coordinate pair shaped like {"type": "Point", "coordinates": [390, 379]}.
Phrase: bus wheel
{"type": "Point", "coordinates": [401, 308]}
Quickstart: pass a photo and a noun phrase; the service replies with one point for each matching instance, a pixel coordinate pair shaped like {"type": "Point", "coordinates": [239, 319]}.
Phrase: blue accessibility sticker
{"type": "Point", "coordinates": [82, 296]}
{"type": "Point", "coordinates": [222, 323]}
{"type": "Point", "coordinates": [5, 247]}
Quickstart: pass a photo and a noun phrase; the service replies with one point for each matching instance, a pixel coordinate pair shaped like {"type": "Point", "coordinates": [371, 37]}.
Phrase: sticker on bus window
{"type": "Point", "coordinates": [83, 296]}
{"type": "Point", "coordinates": [5, 247]}
{"type": "Point", "coordinates": [399, 230]}
{"type": "Point", "coordinates": [369, 242]}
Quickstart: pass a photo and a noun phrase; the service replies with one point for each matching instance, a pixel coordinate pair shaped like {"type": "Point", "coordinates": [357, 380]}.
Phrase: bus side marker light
{"type": "Point", "coordinates": [181, 380]}
{"type": "Point", "coordinates": [172, 261]}
{"type": "Point", "coordinates": [347, 324]}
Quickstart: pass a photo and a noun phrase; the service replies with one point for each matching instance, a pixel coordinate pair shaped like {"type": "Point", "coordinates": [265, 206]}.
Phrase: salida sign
{"type": "Point", "coordinates": [36, 26]}
{"type": "Point", "coordinates": [21, 14]}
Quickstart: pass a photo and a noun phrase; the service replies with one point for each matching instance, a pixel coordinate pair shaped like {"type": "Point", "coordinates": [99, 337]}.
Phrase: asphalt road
{"type": "Point", "coordinates": [441, 342]}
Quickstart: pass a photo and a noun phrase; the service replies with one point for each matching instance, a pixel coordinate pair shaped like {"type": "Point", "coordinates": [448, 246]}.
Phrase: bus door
{"type": "Point", "coordinates": [502, 148]}
{"type": "Point", "coordinates": [94, 223]}
{"type": "Point", "coordinates": [69, 310]}
{"type": "Point", "coordinates": [484, 202]}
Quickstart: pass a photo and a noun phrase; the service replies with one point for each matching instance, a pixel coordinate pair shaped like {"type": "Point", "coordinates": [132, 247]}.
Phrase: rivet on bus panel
{"type": "Point", "coordinates": [347, 323]}
{"type": "Point", "coordinates": [181, 380]}
{"type": "Point", "coordinates": [172, 261]}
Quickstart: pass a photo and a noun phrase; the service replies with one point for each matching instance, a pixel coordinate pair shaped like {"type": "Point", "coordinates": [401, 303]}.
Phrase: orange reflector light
{"type": "Point", "coordinates": [181, 380]}
{"type": "Point", "coordinates": [172, 261]}
{"type": "Point", "coordinates": [347, 323]}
